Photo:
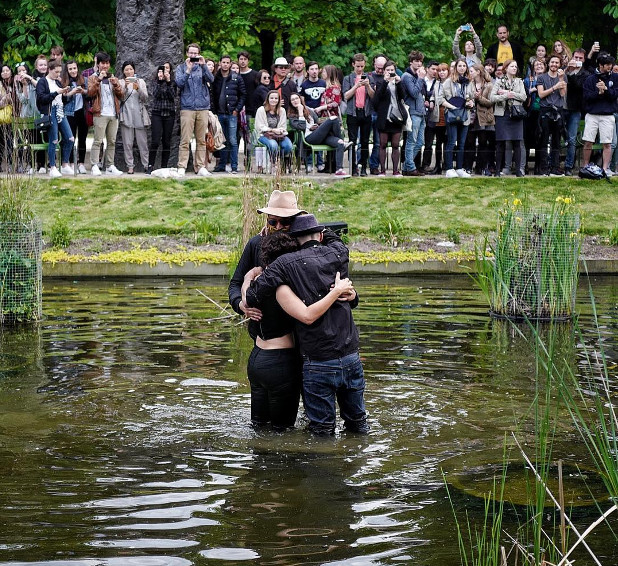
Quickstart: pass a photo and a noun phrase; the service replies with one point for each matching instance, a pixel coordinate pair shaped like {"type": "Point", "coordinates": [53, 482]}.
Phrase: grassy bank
{"type": "Point", "coordinates": [209, 210]}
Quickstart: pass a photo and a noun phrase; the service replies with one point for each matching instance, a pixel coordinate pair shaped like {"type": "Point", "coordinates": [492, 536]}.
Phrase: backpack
{"type": "Point", "coordinates": [215, 138]}
{"type": "Point", "coordinates": [593, 171]}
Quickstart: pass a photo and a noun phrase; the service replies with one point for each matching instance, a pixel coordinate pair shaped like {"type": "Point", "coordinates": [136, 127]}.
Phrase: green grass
{"type": "Point", "coordinates": [429, 206]}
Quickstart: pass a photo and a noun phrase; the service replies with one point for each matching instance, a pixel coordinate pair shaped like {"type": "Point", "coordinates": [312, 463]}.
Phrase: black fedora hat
{"type": "Point", "coordinates": [304, 224]}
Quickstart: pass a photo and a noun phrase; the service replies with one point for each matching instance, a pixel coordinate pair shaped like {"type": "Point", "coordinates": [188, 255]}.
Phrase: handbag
{"type": "Point", "coordinates": [517, 112]}
{"type": "Point", "coordinates": [456, 115]}
{"type": "Point", "coordinates": [43, 123]}
{"type": "Point", "coordinates": [272, 136]}
{"type": "Point", "coordinates": [6, 114]}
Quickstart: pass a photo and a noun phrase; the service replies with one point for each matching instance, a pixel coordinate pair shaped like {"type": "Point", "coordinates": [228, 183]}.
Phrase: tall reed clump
{"type": "Point", "coordinates": [531, 269]}
{"type": "Point", "coordinates": [20, 252]}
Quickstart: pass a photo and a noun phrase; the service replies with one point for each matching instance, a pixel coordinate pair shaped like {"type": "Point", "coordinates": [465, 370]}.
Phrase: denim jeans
{"type": "Point", "coordinates": [374, 159]}
{"type": "Point", "coordinates": [572, 124]}
{"type": "Point", "coordinates": [273, 146]}
{"type": "Point", "coordinates": [455, 133]}
{"type": "Point", "coordinates": [229, 124]}
{"type": "Point", "coordinates": [414, 143]}
{"type": "Point", "coordinates": [66, 143]}
{"type": "Point", "coordinates": [340, 379]}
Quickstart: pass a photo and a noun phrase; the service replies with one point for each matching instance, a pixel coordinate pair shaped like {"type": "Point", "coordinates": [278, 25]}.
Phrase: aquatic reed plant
{"type": "Point", "coordinates": [530, 270]}
{"type": "Point", "coordinates": [480, 545]}
{"type": "Point", "coordinates": [20, 252]}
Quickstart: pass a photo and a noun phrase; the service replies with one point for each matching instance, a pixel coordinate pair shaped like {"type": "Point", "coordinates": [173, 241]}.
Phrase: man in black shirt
{"type": "Point", "coordinates": [281, 207]}
{"type": "Point", "coordinates": [332, 369]}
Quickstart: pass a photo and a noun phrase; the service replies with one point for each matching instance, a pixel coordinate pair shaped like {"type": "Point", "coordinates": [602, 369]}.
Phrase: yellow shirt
{"type": "Point", "coordinates": [504, 52]}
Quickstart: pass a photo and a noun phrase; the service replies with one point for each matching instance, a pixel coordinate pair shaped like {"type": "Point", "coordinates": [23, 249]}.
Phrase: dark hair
{"type": "Point", "coordinates": [225, 57]}
{"type": "Point", "coordinates": [103, 57]}
{"type": "Point", "coordinates": [276, 244]}
{"type": "Point", "coordinates": [431, 63]}
{"type": "Point", "coordinates": [359, 57]}
{"type": "Point", "coordinates": [311, 63]}
{"type": "Point", "coordinates": [10, 79]}
{"type": "Point", "coordinates": [57, 50]}
{"type": "Point", "coordinates": [415, 56]}
{"type": "Point", "coordinates": [128, 64]}
{"type": "Point", "coordinates": [604, 58]}
{"type": "Point", "coordinates": [293, 111]}
{"type": "Point", "coordinates": [53, 64]}
{"type": "Point", "coordinates": [580, 50]}
{"type": "Point", "coordinates": [24, 65]}
{"type": "Point", "coordinates": [66, 78]}
{"type": "Point", "coordinates": [243, 54]}
{"type": "Point", "coordinates": [491, 61]}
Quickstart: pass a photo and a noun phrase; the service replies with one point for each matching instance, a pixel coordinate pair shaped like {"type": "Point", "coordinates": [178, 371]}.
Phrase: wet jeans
{"type": "Point", "coordinates": [340, 379]}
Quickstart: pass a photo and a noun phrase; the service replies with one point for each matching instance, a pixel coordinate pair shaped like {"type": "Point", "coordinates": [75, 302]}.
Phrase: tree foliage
{"type": "Point", "coordinates": [31, 27]}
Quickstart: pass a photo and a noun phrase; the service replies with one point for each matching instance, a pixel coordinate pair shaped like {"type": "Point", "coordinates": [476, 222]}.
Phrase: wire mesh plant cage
{"type": "Point", "coordinates": [534, 272]}
{"type": "Point", "coordinates": [21, 246]}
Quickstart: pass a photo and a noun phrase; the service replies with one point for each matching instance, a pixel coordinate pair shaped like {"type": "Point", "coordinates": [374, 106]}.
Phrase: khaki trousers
{"type": "Point", "coordinates": [105, 127]}
{"type": "Point", "coordinates": [193, 122]}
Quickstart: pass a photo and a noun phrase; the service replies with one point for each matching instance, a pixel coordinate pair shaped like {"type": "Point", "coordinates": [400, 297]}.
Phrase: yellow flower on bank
{"type": "Point", "coordinates": [516, 202]}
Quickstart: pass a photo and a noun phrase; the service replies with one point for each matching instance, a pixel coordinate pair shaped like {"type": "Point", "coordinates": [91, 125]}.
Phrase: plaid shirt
{"type": "Point", "coordinates": [164, 98]}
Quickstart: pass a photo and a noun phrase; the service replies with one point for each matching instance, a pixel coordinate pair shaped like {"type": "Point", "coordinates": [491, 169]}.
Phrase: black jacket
{"type": "Point", "coordinates": [575, 91]}
{"type": "Point", "coordinates": [518, 54]}
{"type": "Point", "coordinates": [310, 272]}
{"type": "Point", "coordinates": [235, 93]}
{"type": "Point", "coordinates": [382, 101]}
{"type": "Point", "coordinates": [44, 97]}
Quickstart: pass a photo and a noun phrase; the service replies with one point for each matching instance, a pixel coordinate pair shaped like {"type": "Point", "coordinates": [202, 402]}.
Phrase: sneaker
{"type": "Point", "coordinates": [30, 171]}
{"type": "Point", "coordinates": [181, 172]}
{"type": "Point", "coordinates": [451, 173]}
{"type": "Point", "coordinates": [397, 174]}
{"type": "Point", "coordinates": [363, 172]}
{"type": "Point", "coordinates": [228, 168]}
{"type": "Point", "coordinates": [67, 170]}
{"type": "Point", "coordinates": [374, 171]}
{"type": "Point", "coordinates": [341, 173]}
{"type": "Point", "coordinates": [81, 169]}
{"type": "Point", "coordinates": [53, 172]}
{"type": "Point", "coordinates": [381, 174]}
{"type": "Point", "coordinates": [42, 171]}
{"type": "Point", "coordinates": [113, 170]}
{"type": "Point", "coordinates": [568, 172]}
{"type": "Point", "coordinates": [608, 173]}
{"type": "Point", "coordinates": [347, 146]}
{"type": "Point", "coordinates": [463, 173]}
{"type": "Point", "coordinates": [309, 169]}
{"type": "Point", "coordinates": [234, 171]}
{"type": "Point", "coordinates": [203, 172]}
{"type": "Point", "coordinates": [95, 171]}
{"type": "Point", "coordinates": [556, 173]}
{"type": "Point", "coordinates": [321, 168]}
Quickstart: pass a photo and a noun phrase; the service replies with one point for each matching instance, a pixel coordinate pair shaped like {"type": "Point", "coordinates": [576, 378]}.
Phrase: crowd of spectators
{"type": "Point", "coordinates": [481, 113]}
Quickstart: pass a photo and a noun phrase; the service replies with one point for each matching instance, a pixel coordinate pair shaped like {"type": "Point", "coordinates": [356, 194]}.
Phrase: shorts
{"type": "Point", "coordinates": [603, 125]}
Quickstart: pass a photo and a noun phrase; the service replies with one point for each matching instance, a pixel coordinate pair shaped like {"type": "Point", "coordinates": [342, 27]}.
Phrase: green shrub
{"type": "Point", "coordinates": [388, 227]}
{"type": "Point", "coordinates": [61, 234]}
{"type": "Point", "coordinates": [613, 236]}
{"type": "Point", "coordinates": [203, 229]}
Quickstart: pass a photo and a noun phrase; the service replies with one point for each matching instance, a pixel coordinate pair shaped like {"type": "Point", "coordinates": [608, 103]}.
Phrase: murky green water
{"type": "Point", "coordinates": [124, 436]}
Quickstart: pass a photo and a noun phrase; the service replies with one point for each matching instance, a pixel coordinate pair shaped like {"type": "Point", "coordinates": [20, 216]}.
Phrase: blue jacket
{"type": "Point", "coordinates": [415, 90]}
{"type": "Point", "coordinates": [601, 104]}
{"type": "Point", "coordinates": [194, 93]}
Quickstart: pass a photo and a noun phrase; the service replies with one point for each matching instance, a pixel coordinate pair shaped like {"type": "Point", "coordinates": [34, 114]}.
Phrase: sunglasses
{"type": "Point", "coordinates": [282, 221]}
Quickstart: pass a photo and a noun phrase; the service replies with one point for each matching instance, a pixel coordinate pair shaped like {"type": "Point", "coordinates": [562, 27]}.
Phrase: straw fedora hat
{"type": "Point", "coordinates": [282, 203]}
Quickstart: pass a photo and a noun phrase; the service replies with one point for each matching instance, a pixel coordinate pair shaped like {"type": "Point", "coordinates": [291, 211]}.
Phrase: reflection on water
{"type": "Point", "coordinates": [124, 436]}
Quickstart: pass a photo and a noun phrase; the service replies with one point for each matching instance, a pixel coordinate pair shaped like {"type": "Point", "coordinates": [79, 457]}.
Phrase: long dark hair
{"type": "Point", "coordinates": [293, 111]}
{"type": "Point", "coordinates": [66, 78]}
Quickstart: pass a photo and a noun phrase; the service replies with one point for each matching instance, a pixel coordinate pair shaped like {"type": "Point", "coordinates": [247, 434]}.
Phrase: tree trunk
{"type": "Point", "coordinates": [149, 34]}
{"type": "Point", "coordinates": [267, 42]}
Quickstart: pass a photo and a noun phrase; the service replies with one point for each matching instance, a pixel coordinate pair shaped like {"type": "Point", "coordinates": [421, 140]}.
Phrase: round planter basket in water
{"type": "Point", "coordinates": [20, 272]}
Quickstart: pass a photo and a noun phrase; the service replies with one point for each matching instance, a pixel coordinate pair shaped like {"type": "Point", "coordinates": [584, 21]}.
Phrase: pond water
{"type": "Point", "coordinates": [124, 436]}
